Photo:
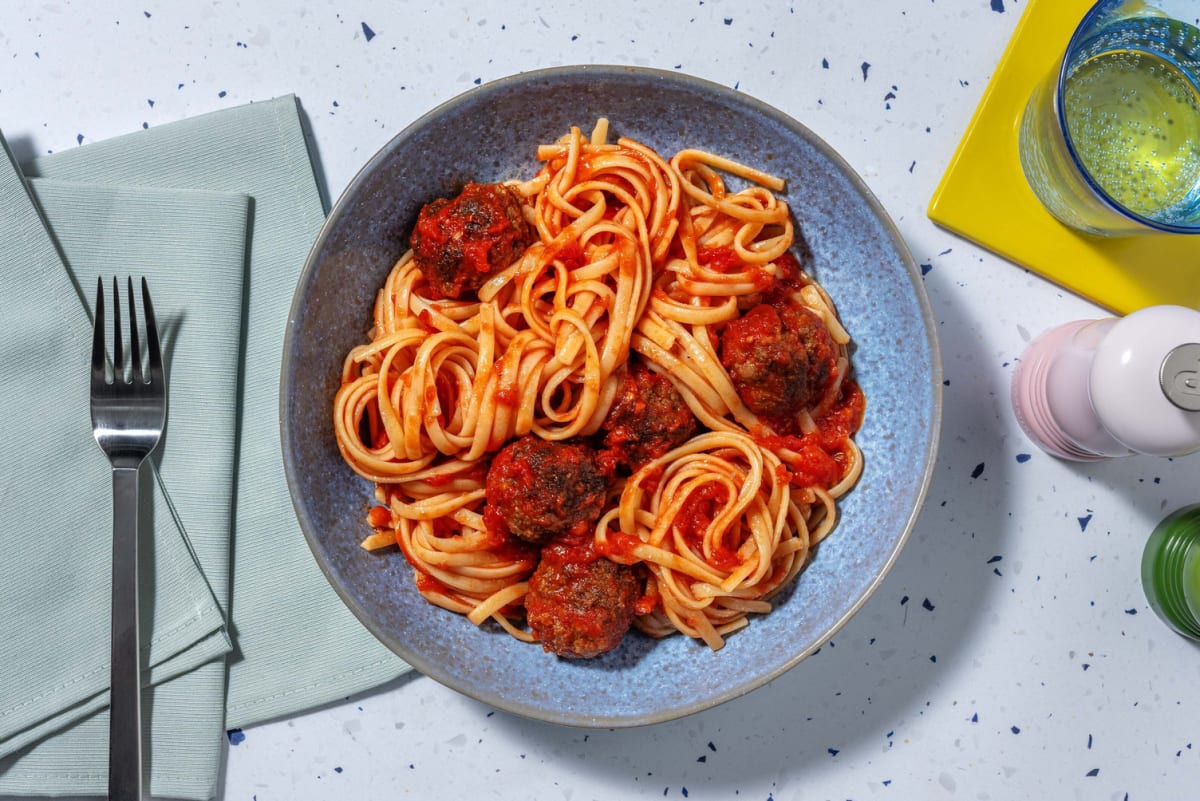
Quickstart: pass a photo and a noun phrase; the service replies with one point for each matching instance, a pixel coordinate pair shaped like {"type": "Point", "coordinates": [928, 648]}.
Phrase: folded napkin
{"type": "Point", "coordinates": [219, 213]}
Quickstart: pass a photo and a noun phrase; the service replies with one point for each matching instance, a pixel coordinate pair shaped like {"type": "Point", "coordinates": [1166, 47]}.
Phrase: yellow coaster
{"type": "Point", "coordinates": [983, 195]}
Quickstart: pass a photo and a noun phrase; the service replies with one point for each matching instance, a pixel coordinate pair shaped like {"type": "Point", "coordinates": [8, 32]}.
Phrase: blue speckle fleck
{"type": "Point", "coordinates": [824, 63]}
{"type": "Point", "coordinates": [1094, 772]}
{"type": "Point", "coordinates": [367, 32]}
{"type": "Point", "coordinates": [79, 139]}
{"type": "Point", "coordinates": [1016, 730]}
{"type": "Point", "coordinates": [866, 66]}
{"type": "Point", "coordinates": [1022, 458]}
{"type": "Point", "coordinates": [927, 604]}
{"type": "Point", "coordinates": [1131, 611]}
{"type": "Point", "coordinates": [925, 268]}
{"type": "Point", "coordinates": [995, 559]}
{"type": "Point", "coordinates": [1083, 522]}
{"type": "Point", "coordinates": [978, 471]}
{"type": "Point", "coordinates": [222, 93]}
{"type": "Point", "coordinates": [998, 6]}
{"type": "Point", "coordinates": [729, 20]}
{"type": "Point", "coordinates": [337, 769]}
{"type": "Point", "coordinates": [236, 737]}
{"type": "Point", "coordinates": [975, 718]}
{"type": "Point", "coordinates": [832, 751]}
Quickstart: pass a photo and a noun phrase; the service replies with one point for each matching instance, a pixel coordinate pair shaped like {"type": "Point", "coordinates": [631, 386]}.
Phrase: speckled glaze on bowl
{"type": "Point", "coordinates": [490, 133]}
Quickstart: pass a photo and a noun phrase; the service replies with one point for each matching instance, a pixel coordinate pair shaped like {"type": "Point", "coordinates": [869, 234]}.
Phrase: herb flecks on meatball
{"type": "Point", "coordinates": [460, 243]}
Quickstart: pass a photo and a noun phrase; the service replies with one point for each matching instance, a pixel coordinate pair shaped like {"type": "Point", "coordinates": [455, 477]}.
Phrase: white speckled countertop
{"type": "Point", "coordinates": [1010, 654]}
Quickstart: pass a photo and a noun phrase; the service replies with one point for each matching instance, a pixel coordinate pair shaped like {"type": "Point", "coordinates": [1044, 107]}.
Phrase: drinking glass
{"type": "Point", "coordinates": [1110, 144]}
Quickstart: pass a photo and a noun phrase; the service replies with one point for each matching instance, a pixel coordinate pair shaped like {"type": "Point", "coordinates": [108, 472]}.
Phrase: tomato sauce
{"type": "Point", "coordinates": [698, 511]}
{"type": "Point", "coordinates": [571, 255]}
{"type": "Point", "coordinates": [508, 396]}
{"type": "Point", "coordinates": [568, 550]}
{"type": "Point", "coordinates": [379, 517]}
{"type": "Point", "coordinates": [620, 547]}
{"type": "Point", "coordinates": [820, 459]}
{"type": "Point", "coordinates": [427, 583]}
{"type": "Point", "coordinates": [725, 260]}
{"type": "Point", "coordinates": [493, 521]}
{"type": "Point", "coordinates": [515, 550]}
{"type": "Point", "coordinates": [722, 259]}
{"type": "Point", "coordinates": [814, 466]}
{"type": "Point", "coordinates": [694, 518]}
{"type": "Point", "coordinates": [380, 439]}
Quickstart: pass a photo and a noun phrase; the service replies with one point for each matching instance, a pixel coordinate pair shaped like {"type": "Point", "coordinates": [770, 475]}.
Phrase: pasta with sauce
{"type": "Point", "coordinates": [607, 396]}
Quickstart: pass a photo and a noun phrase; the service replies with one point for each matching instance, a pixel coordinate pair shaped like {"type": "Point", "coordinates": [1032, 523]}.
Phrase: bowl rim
{"type": "Point", "coordinates": [430, 668]}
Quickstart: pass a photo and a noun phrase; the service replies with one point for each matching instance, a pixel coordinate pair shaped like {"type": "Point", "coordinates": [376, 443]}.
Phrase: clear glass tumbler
{"type": "Point", "coordinates": [1110, 144]}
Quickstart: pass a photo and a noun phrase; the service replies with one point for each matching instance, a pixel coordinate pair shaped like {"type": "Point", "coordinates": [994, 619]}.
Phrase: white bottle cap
{"type": "Point", "coordinates": [1145, 381]}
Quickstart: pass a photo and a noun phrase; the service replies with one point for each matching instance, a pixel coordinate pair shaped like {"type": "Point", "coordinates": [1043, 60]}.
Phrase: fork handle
{"type": "Point", "coordinates": [125, 706]}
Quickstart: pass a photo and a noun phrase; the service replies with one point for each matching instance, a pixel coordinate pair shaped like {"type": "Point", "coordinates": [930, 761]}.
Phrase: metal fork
{"type": "Point", "coordinates": [128, 415]}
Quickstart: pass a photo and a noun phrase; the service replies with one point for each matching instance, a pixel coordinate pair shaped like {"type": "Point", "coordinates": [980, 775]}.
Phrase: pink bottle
{"type": "Point", "coordinates": [1098, 389]}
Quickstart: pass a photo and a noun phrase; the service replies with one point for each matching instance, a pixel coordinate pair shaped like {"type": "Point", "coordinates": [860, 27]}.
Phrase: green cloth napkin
{"type": "Point", "coordinates": [57, 505]}
{"type": "Point", "coordinates": [219, 212]}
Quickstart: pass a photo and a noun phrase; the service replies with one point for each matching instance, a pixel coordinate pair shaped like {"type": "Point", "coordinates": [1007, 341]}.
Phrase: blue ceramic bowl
{"type": "Point", "coordinates": [490, 134]}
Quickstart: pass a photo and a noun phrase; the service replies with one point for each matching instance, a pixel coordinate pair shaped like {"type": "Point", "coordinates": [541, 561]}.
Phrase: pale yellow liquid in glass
{"type": "Point", "coordinates": [1134, 120]}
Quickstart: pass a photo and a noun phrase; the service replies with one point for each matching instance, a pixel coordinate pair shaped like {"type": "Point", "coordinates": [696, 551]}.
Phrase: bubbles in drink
{"type": "Point", "coordinates": [1133, 115]}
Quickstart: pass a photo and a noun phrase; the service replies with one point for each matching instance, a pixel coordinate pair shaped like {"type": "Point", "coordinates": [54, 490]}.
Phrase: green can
{"type": "Point", "coordinates": [1171, 571]}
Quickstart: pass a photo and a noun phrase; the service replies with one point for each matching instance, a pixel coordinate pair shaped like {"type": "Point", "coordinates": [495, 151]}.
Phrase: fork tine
{"type": "Point", "coordinates": [151, 334]}
{"type": "Point", "coordinates": [118, 352]}
{"type": "Point", "coordinates": [128, 418]}
{"type": "Point", "coordinates": [98, 337]}
{"type": "Point", "coordinates": [135, 351]}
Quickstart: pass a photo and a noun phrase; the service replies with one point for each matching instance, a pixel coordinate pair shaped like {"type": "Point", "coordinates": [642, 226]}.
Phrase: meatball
{"type": "Point", "coordinates": [648, 417]}
{"type": "Point", "coordinates": [580, 605]}
{"type": "Point", "coordinates": [541, 489]}
{"type": "Point", "coordinates": [780, 358]}
{"type": "Point", "coordinates": [459, 243]}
